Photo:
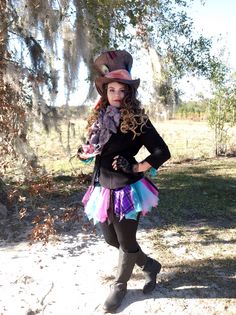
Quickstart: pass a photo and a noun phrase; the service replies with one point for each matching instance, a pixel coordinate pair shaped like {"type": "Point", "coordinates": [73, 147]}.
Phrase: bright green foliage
{"type": "Point", "coordinates": [195, 110]}
{"type": "Point", "coordinates": [222, 114]}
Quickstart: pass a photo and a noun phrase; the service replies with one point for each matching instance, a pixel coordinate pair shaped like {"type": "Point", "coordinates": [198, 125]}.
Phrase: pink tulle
{"type": "Point", "coordinates": [103, 205]}
{"type": "Point", "coordinates": [97, 200]}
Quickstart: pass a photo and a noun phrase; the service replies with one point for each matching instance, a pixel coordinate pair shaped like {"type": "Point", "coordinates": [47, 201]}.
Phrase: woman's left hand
{"type": "Point", "coordinates": [120, 163]}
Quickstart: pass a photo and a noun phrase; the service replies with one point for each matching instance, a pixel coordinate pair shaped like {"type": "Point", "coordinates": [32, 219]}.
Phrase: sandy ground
{"type": "Point", "coordinates": [71, 275]}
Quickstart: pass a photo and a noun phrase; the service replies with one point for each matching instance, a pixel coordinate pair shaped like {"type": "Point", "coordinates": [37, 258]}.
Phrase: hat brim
{"type": "Point", "coordinates": [101, 81]}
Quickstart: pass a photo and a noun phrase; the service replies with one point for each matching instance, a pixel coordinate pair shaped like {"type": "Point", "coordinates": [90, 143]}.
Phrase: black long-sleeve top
{"type": "Point", "coordinates": [124, 144]}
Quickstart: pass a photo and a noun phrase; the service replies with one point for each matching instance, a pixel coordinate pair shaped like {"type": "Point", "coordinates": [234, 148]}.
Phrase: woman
{"type": "Point", "coordinates": [120, 193]}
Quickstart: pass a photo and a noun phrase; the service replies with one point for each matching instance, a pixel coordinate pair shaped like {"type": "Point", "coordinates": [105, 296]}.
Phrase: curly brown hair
{"type": "Point", "coordinates": [133, 117]}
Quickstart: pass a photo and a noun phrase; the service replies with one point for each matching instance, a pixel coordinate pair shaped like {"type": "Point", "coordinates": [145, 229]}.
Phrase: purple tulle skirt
{"type": "Point", "coordinates": [128, 201]}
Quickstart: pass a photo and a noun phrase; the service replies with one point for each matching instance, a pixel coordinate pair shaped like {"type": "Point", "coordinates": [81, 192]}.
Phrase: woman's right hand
{"type": "Point", "coordinates": [80, 153]}
{"type": "Point", "coordinates": [86, 151]}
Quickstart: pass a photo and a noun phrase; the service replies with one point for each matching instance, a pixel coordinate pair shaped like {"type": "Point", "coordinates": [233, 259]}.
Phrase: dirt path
{"type": "Point", "coordinates": [71, 275]}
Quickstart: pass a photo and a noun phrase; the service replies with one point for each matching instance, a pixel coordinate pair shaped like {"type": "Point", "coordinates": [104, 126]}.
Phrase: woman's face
{"type": "Point", "coordinates": [115, 93]}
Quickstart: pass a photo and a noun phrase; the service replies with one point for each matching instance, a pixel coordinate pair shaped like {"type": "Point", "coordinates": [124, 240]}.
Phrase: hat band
{"type": "Point", "coordinates": [121, 74]}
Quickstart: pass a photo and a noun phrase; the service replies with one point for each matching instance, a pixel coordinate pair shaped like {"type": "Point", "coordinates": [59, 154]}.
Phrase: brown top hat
{"type": "Point", "coordinates": [114, 66]}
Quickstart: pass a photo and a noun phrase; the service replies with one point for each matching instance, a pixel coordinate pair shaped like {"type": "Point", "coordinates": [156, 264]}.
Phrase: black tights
{"type": "Point", "coordinates": [121, 234]}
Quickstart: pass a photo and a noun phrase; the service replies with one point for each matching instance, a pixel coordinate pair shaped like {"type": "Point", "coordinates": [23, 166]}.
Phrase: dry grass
{"type": "Point", "coordinates": [186, 140]}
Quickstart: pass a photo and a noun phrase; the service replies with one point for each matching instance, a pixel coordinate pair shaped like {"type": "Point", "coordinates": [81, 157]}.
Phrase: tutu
{"type": "Point", "coordinates": [140, 196]}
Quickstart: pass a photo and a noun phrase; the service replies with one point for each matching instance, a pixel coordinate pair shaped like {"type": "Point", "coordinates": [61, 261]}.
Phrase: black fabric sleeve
{"type": "Point", "coordinates": [159, 151]}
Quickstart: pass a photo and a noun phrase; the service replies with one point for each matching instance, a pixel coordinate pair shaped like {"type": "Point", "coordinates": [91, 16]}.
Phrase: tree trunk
{"type": "Point", "coordinates": [3, 43]}
{"type": "Point", "coordinates": [3, 200]}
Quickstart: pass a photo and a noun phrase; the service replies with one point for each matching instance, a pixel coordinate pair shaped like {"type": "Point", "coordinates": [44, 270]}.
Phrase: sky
{"type": "Point", "coordinates": [217, 18]}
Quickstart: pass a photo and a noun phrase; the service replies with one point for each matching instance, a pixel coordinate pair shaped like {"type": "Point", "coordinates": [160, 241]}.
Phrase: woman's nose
{"type": "Point", "coordinates": [117, 93]}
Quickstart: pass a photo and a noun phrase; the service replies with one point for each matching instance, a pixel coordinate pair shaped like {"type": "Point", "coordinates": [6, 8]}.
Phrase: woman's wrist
{"type": "Point", "coordinates": [141, 167]}
{"type": "Point", "coordinates": [135, 168]}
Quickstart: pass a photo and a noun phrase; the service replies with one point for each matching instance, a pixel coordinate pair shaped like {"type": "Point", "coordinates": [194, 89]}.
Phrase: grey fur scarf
{"type": "Point", "coordinates": [102, 129]}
